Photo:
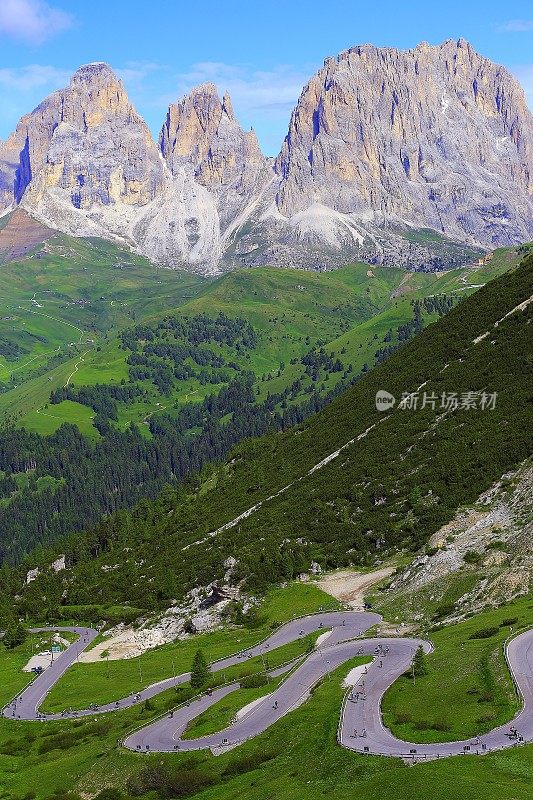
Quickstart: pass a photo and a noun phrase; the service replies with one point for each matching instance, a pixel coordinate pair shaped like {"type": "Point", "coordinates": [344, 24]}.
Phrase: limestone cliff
{"type": "Point", "coordinates": [413, 158]}
{"type": "Point", "coordinates": [202, 135]}
{"type": "Point", "coordinates": [88, 165]}
{"type": "Point", "coordinates": [436, 137]}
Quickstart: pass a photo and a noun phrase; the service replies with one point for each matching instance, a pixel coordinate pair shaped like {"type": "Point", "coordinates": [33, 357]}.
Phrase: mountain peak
{"type": "Point", "coordinates": [96, 72]}
{"type": "Point", "coordinates": [202, 135]}
{"type": "Point", "coordinates": [435, 136]}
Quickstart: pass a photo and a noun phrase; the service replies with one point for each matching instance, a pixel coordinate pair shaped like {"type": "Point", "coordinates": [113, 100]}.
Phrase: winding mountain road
{"type": "Point", "coordinates": [360, 728]}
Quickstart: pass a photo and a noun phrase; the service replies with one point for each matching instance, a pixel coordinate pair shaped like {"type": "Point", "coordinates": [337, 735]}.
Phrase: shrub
{"type": "Point", "coordinates": [444, 610]}
{"type": "Point", "coordinates": [168, 782]}
{"type": "Point", "coordinates": [254, 681]}
{"type": "Point", "coordinates": [402, 717]}
{"type": "Point", "coordinates": [14, 635]}
{"type": "Point", "coordinates": [472, 557]}
{"type": "Point", "coordinates": [61, 741]}
{"type": "Point", "coordinates": [248, 762]}
{"type": "Point", "coordinates": [433, 725]}
{"type": "Point", "coordinates": [485, 719]}
{"type": "Point", "coordinates": [14, 747]}
{"type": "Point", "coordinates": [508, 621]}
{"type": "Point", "coordinates": [484, 633]}
{"type": "Point", "coordinates": [185, 782]}
{"type": "Point", "coordinates": [254, 619]}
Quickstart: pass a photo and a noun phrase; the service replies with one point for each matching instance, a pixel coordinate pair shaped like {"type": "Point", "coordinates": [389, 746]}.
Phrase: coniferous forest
{"type": "Point", "coordinates": [401, 477]}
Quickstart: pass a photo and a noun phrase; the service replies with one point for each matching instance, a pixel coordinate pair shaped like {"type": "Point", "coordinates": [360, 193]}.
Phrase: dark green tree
{"type": "Point", "coordinates": [14, 635]}
{"type": "Point", "coordinates": [200, 671]}
{"type": "Point", "coordinates": [420, 666]}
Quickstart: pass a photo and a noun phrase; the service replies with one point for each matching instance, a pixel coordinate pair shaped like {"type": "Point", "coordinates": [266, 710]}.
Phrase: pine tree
{"type": "Point", "coordinates": [419, 663]}
{"type": "Point", "coordinates": [200, 671]}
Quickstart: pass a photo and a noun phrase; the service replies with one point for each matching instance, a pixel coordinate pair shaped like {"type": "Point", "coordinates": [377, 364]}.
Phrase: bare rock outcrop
{"type": "Point", "coordinates": [202, 135]}
{"type": "Point", "coordinates": [88, 165]}
{"type": "Point", "coordinates": [420, 158]}
{"type": "Point", "coordinates": [435, 137]}
{"type": "Point", "coordinates": [491, 541]}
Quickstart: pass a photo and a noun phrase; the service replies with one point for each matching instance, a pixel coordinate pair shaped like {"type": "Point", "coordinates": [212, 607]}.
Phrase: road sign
{"type": "Point", "coordinates": [56, 648]}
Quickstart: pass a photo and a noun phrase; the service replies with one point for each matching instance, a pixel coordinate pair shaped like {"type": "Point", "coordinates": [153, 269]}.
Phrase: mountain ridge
{"type": "Point", "coordinates": [366, 484]}
{"type": "Point", "coordinates": [382, 144]}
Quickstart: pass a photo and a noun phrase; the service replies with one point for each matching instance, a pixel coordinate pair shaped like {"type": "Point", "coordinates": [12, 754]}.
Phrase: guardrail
{"type": "Point", "coordinates": [235, 654]}
{"type": "Point", "coordinates": [294, 662]}
{"type": "Point", "coordinates": [505, 646]}
{"type": "Point", "coordinates": [413, 755]}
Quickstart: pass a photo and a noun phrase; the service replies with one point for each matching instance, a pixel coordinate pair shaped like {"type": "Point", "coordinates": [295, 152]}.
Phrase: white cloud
{"type": "Point", "coordinates": [32, 21]}
{"type": "Point", "coordinates": [275, 89]}
{"type": "Point", "coordinates": [33, 76]}
{"type": "Point", "coordinates": [524, 73]}
{"type": "Point", "coordinates": [137, 71]}
{"type": "Point", "coordinates": [517, 25]}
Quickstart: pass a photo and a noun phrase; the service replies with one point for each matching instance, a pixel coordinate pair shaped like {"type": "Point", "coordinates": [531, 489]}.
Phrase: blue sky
{"type": "Point", "coordinates": [262, 53]}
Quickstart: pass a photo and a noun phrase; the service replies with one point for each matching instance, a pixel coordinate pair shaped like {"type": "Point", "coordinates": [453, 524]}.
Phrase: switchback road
{"type": "Point", "coordinates": [360, 728]}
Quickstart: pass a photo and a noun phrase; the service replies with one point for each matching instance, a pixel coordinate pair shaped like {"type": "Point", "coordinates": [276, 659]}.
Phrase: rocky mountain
{"type": "Point", "coordinates": [89, 166]}
{"type": "Point", "coordinates": [421, 158]}
{"type": "Point", "coordinates": [202, 136]}
{"type": "Point", "coordinates": [435, 137]}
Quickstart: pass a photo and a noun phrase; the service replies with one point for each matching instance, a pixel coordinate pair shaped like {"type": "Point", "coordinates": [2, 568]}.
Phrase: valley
{"type": "Point", "coordinates": [266, 337]}
{"type": "Point", "coordinates": [69, 332]}
{"type": "Point", "coordinates": [154, 367]}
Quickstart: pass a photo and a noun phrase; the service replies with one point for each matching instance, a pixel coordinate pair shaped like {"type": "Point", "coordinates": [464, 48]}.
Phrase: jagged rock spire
{"type": "Point", "coordinates": [202, 135]}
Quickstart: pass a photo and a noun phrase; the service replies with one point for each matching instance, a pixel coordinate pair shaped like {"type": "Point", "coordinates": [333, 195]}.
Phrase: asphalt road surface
{"type": "Point", "coordinates": [360, 728]}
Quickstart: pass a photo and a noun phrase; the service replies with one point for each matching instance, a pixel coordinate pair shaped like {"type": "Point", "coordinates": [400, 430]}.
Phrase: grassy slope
{"type": "Point", "coordinates": [104, 682]}
{"type": "Point", "coordinates": [296, 759]}
{"type": "Point", "coordinates": [291, 310]}
{"type": "Point", "coordinates": [67, 298]}
{"type": "Point", "coordinates": [454, 460]}
{"type": "Point", "coordinates": [478, 692]}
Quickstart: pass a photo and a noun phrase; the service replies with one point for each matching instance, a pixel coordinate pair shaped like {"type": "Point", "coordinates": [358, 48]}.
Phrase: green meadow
{"type": "Point", "coordinates": [63, 307]}
{"type": "Point", "coordinates": [298, 757]}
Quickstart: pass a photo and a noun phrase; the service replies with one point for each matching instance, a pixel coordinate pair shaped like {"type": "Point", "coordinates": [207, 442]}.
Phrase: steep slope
{"type": "Point", "coordinates": [435, 137]}
{"type": "Point", "coordinates": [352, 484]}
{"type": "Point", "coordinates": [483, 556]}
{"type": "Point", "coordinates": [395, 157]}
{"type": "Point", "coordinates": [420, 158]}
{"type": "Point", "coordinates": [88, 166]}
{"type": "Point", "coordinates": [20, 235]}
{"type": "Point", "coordinates": [202, 135]}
